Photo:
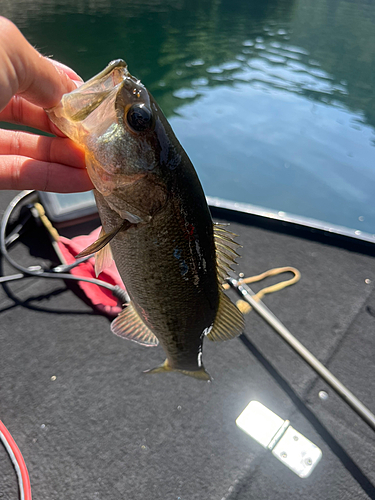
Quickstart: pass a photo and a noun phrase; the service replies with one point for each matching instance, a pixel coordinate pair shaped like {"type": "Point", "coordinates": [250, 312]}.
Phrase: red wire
{"type": "Point", "coordinates": [20, 461]}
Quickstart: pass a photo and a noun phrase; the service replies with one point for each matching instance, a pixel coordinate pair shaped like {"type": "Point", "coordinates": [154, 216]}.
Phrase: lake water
{"type": "Point", "coordinates": [274, 100]}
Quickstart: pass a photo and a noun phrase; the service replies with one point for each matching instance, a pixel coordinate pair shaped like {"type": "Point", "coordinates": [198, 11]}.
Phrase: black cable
{"type": "Point", "coordinates": [37, 271]}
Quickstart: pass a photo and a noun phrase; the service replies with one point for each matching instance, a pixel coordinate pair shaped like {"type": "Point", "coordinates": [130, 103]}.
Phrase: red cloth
{"type": "Point", "coordinates": [101, 298]}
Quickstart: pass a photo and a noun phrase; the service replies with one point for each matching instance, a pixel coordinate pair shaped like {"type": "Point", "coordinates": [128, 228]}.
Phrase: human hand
{"type": "Point", "coordinates": [29, 83]}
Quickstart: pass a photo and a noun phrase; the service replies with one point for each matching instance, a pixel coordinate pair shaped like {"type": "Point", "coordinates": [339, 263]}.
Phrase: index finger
{"type": "Point", "coordinates": [69, 71]}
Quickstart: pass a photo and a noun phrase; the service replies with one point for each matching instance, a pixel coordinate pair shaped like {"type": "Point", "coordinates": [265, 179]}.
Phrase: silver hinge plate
{"type": "Point", "coordinates": [288, 445]}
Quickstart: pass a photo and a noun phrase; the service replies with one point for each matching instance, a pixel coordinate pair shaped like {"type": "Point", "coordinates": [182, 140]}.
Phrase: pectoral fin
{"type": "Point", "coordinates": [200, 374]}
{"type": "Point", "coordinates": [229, 322]}
{"type": "Point", "coordinates": [129, 325]}
{"type": "Point", "coordinates": [103, 240]}
{"type": "Point", "coordinates": [103, 258]}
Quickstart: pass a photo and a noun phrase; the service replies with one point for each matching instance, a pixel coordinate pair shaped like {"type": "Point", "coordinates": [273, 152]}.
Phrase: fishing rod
{"type": "Point", "coordinates": [248, 295]}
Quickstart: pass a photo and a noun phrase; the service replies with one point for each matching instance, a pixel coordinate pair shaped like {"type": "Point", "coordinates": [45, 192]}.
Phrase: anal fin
{"type": "Point", "coordinates": [129, 325]}
{"type": "Point", "coordinates": [229, 321]}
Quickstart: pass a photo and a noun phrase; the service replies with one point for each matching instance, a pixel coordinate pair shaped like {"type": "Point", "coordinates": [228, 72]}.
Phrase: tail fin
{"type": "Point", "coordinates": [200, 374]}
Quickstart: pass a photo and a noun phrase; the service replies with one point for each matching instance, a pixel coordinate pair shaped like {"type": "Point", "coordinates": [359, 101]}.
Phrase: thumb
{"type": "Point", "coordinates": [25, 72]}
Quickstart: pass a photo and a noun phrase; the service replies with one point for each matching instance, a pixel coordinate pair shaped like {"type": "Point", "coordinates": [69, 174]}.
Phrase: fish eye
{"type": "Point", "coordinates": [139, 117]}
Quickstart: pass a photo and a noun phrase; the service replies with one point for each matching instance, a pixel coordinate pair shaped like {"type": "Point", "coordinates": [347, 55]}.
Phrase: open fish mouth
{"type": "Point", "coordinates": [80, 103]}
{"type": "Point", "coordinates": [89, 111]}
{"type": "Point", "coordinates": [88, 116]}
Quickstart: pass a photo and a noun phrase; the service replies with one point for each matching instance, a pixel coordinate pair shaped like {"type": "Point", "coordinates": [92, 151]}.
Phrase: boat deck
{"type": "Point", "coordinates": [92, 426]}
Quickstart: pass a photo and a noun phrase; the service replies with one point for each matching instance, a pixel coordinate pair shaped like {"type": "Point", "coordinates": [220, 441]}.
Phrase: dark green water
{"type": "Point", "coordinates": [273, 100]}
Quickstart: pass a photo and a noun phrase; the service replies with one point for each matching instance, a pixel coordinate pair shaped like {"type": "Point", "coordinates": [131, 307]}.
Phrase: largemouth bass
{"type": "Point", "coordinates": [156, 222]}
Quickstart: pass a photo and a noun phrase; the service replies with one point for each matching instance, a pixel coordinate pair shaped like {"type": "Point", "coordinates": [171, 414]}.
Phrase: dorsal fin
{"type": "Point", "coordinates": [225, 253]}
{"type": "Point", "coordinates": [129, 325]}
{"type": "Point", "coordinates": [229, 322]}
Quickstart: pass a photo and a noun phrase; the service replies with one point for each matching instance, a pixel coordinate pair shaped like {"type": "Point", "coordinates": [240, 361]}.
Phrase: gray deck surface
{"type": "Point", "coordinates": [104, 430]}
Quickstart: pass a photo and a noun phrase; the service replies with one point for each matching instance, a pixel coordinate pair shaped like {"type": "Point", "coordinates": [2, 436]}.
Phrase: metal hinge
{"type": "Point", "coordinates": [288, 445]}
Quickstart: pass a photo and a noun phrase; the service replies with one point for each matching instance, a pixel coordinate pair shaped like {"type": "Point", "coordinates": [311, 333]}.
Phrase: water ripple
{"type": "Point", "coordinates": [270, 65]}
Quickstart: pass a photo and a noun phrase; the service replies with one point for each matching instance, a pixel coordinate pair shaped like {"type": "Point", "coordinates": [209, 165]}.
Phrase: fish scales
{"type": "Point", "coordinates": [155, 220]}
{"type": "Point", "coordinates": [172, 286]}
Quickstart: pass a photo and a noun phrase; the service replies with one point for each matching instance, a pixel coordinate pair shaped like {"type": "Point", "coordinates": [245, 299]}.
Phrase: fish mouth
{"type": "Point", "coordinates": [75, 116]}
{"type": "Point", "coordinates": [90, 109]}
{"type": "Point", "coordinates": [88, 112]}
{"type": "Point", "coordinates": [88, 115]}
{"type": "Point", "coordinates": [80, 103]}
